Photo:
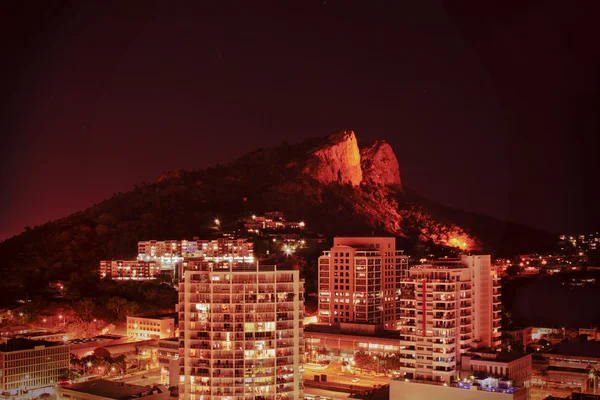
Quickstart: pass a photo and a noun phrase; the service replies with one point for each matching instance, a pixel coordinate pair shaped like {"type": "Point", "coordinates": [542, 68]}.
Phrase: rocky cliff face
{"type": "Point", "coordinates": [340, 160]}
{"type": "Point", "coordinates": [336, 161]}
{"type": "Point", "coordinates": [379, 164]}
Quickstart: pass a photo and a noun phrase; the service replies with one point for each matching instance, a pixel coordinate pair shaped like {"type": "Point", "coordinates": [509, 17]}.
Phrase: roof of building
{"type": "Point", "coordinates": [157, 316]}
{"type": "Point", "coordinates": [503, 356]}
{"type": "Point", "coordinates": [110, 389]}
{"type": "Point", "coordinates": [171, 339]}
{"type": "Point", "coordinates": [337, 330]}
{"type": "Point", "coordinates": [25, 344]}
{"type": "Point", "coordinates": [580, 348]}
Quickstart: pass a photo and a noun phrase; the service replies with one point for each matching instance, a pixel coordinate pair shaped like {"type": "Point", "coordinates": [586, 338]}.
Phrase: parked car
{"type": "Point", "coordinates": [355, 380]}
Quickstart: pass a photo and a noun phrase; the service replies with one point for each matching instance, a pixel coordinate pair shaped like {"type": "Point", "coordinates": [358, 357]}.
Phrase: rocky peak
{"type": "Point", "coordinates": [337, 160]}
{"type": "Point", "coordinates": [379, 164]}
{"type": "Point", "coordinates": [168, 175]}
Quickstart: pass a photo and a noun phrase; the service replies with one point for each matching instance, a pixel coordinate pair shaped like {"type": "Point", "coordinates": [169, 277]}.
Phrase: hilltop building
{"type": "Point", "coordinates": [171, 256]}
{"type": "Point", "coordinates": [448, 307]}
{"type": "Point", "coordinates": [129, 270]}
{"type": "Point", "coordinates": [241, 332]}
{"type": "Point", "coordinates": [359, 281]}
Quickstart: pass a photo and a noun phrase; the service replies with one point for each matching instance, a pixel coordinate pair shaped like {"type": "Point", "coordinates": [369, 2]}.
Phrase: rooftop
{"type": "Point", "coordinates": [25, 344]}
{"type": "Point", "coordinates": [111, 389]}
{"type": "Point", "coordinates": [503, 356]}
{"type": "Point", "coordinates": [157, 316]}
{"type": "Point", "coordinates": [576, 347]}
{"type": "Point", "coordinates": [337, 330]}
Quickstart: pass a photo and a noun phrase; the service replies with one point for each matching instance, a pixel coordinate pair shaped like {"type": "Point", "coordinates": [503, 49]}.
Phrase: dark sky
{"type": "Point", "coordinates": [491, 108]}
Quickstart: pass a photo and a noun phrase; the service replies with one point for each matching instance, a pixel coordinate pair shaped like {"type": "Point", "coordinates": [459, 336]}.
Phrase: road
{"type": "Point", "coordinates": [334, 374]}
{"type": "Point", "coordinates": [152, 375]}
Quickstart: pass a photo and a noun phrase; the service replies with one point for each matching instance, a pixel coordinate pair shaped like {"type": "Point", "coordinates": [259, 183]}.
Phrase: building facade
{"type": "Point", "coordinates": [129, 270]}
{"type": "Point", "coordinates": [150, 327]}
{"type": "Point", "coordinates": [26, 365]}
{"type": "Point", "coordinates": [168, 361]}
{"type": "Point", "coordinates": [447, 308]}
{"type": "Point", "coordinates": [413, 390]}
{"type": "Point", "coordinates": [359, 281]}
{"type": "Point", "coordinates": [241, 333]}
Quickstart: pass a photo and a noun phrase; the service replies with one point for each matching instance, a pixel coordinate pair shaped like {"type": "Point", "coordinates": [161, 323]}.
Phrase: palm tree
{"type": "Point", "coordinates": [74, 361]}
{"type": "Point", "coordinates": [593, 374]}
{"type": "Point", "coordinates": [544, 375]}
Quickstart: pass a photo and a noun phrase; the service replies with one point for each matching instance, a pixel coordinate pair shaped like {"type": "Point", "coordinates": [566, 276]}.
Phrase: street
{"type": "Point", "coordinates": [334, 374]}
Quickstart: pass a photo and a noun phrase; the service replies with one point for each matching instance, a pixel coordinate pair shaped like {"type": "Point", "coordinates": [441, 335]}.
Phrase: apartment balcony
{"type": "Point", "coordinates": [444, 342]}
{"type": "Point", "coordinates": [444, 316]}
{"type": "Point", "coordinates": [444, 325]}
{"type": "Point", "coordinates": [407, 356]}
{"type": "Point", "coordinates": [445, 363]}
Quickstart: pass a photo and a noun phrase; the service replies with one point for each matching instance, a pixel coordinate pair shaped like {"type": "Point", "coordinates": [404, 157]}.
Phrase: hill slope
{"type": "Point", "coordinates": [332, 184]}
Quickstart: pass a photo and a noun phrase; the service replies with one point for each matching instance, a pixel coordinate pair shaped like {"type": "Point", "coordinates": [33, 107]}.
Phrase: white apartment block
{"type": "Point", "coordinates": [26, 365]}
{"type": "Point", "coordinates": [168, 361]}
{"type": "Point", "coordinates": [359, 281]}
{"type": "Point", "coordinates": [166, 249]}
{"type": "Point", "coordinates": [129, 270]}
{"type": "Point", "coordinates": [241, 332]}
{"type": "Point", "coordinates": [448, 307]}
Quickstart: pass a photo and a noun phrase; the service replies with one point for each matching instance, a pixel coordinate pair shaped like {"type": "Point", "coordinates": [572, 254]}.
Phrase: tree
{"type": "Point", "coordinates": [81, 329]}
{"type": "Point", "coordinates": [512, 271]}
{"type": "Point", "coordinates": [115, 305]}
{"type": "Point", "coordinates": [130, 308]}
{"type": "Point", "coordinates": [84, 309]}
{"type": "Point", "coordinates": [593, 374]}
{"type": "Point", "coordinates": [544, 375]}
{"type": "Point", "coordinates": [362, 360]}
{"type": "Point", "coordinates": [74, 361]}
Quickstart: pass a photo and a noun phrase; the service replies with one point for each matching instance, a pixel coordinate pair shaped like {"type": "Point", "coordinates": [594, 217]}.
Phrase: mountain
{"type": "Point", "coordinates": [334, 185]}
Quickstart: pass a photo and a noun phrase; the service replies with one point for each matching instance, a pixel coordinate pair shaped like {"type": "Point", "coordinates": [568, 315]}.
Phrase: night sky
{"type": "Point", "coordinates": [489, 108]}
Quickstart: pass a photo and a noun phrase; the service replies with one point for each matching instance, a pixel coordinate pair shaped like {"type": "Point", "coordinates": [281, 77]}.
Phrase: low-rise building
{"type": "Point", "coordinates": [515, 367]}
{"type": "Point", "coordinates": [26, 365]}
{"type": "Point", "coordinates": [168, 361]}
{"type": "Point", "coordinates": [340, 343]}
{"type": "Point", "coordinates": [151, 326]}
{"type": "Point", "coordinates": [521, 337]}
{"type": "Point", "coordinates": [591, 333]}
{"type": "Point", "coordinates": [101, 389]}
{"type": "Point", "coordinates": [138, 355]}
{"type": "Point", "coordinates": [568, 364]}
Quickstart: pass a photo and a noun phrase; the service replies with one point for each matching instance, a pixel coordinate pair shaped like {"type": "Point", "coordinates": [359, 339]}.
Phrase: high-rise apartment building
{"type": "Point", "coordinates": [241, 333]}
{"type": "Point", "coordinates": [359, 280]}
{"type": "Point", "coordinates": [448, 307]}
